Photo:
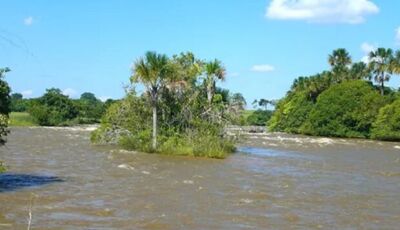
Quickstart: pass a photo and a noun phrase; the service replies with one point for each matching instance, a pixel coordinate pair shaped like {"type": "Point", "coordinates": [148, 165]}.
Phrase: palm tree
{"type": "Point", "coordinates": [154, 72]}
{"type": "Point", "coordinates": [238, 101]}
{"type": "Point", "coordinates": [214, 71]}
{"type": "Point", "coordinates": [396, 62]}
{"type": "Point", "coordinates": [381, 64]}
{"type": "Point", "coordinates": [264, 103]}
{"type": "Point", "coordinates": [359, 70]}
{"type": "Point", "coordinates": [339, 61]}
{"type": "Point", "coordinates": [3, 71]}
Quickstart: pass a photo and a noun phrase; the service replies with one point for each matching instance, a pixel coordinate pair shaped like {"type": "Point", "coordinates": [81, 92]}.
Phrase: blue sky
{"type": "Point", "coordinates": [81, 46]}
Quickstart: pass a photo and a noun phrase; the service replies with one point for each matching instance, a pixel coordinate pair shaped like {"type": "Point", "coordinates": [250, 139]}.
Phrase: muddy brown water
{"type": "Point", "coordinates": [275, 181]}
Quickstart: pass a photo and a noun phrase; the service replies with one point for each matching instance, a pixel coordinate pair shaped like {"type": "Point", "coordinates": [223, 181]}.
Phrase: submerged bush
{"type": "Point", "coordinates": [387, 124]}
{"type": "Point", "coordinates": [2, 167]}
{"type": "Point", "coordinates": [126, 123]}
{"type": "Point", "coordinates": [189, 110]}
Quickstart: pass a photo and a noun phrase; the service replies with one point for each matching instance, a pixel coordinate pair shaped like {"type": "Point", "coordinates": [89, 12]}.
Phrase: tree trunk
{"type": "Point", "coordinates": [382, 87]}
{"type": "Point", "coordinates": [154, 144]}
{"type": "Point", "coordinates": [209, 94]}
{"type": "Point", "coordinates": [154, 105]}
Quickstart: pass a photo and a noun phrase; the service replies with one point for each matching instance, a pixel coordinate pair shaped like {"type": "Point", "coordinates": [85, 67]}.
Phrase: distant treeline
{"type": "Point", "coordinates": [54, 108]}
{"type": "Point", "coordinates": [343, 102]}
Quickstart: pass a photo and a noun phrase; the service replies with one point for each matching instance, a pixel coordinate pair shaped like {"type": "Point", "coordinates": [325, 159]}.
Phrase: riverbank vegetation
{"type": "Point", "coordinates": [344, 102]}
{"type": "Point", "coordinates": [56, 109]}
{"type": "Point", "coordinates": [21, 119]}
{"type": "Point", "coordinates": [4, 109]}
{"type": "Point", "coordinates": [180, 112]}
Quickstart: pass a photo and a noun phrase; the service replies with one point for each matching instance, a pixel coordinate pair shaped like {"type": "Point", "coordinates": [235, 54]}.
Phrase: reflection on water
{"type": "Point", "coordinates": [277, 181]}
{"type": "Point", "coordinates": [10, 182]}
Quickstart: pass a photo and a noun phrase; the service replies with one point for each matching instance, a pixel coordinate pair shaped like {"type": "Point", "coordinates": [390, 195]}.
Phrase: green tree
{"type": "Point", "coordinates": [238, 101]}
{"type": "Point", "coordinates": [264, 103]}
{"type": "Point", "coordinates": [396, 62]}
{"type": "Point", "coordinates": [344, 110]}
{"type": "Point", "coordinates": [387, 124]}
{"type": "Point", "coordinates": [381, 64]}
{"type": "Point", "coordinates": [53, 108]}
{"type": "Point", "coordinates": [259, 117]}
{"type": "Point", "coordinates": [5, 101]}
{"type": "Point", "coordinates": [291, 112]}
{"type": "Point", "coordinates": [90, 108]}
{"type": "Point", "coordinates": [18, 103]}
{"type": "Point", "coordinates": [214, 71]}
{"type": "Point", "coordinates": [184, 122]}
{"type": "Point", "coordinates": [154, 72]}
{"type": "Point", "coordinates": [339, 60]}
{"type": "Point", "coordinates": [359, 71]}
{"type": "Point", "coordinates": [87, 96]}
{"type": "Point", "coordinates": [4, 109]}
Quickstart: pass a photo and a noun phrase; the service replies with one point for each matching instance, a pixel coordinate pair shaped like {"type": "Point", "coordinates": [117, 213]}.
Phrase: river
{"type": "Point", "coordinates": [274, 181]}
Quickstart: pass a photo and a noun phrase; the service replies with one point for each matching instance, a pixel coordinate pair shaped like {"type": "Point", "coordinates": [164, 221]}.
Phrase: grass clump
{"type": "Point", "coordinates": [21, 119]}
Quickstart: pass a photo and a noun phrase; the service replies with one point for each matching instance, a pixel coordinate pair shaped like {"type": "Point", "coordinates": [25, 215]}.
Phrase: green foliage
{"type": "Point", "coordinates": [291, 112]}
{"type": "Point", "coordinates": [90, 109]}
{"type": "Point", "coordinates": [259, 117]}
{"type": "Point", "coordinates": [186, 122]}
{"type": "Point", "coordinates": [18, 103]}
{"type": "Point", "coordinates": [4, 110]}
{"type": "Point", "coordinates": [21, 119]}
{"type": "Point", "coordinates": [3, 128]}
{"type": "Point", "coordinates": [344, 110]}
{"type": "Point", "coordinates": [56, 109]}
{"type": "Point", "coordinates": [53, 108]}
{"type": "Point", "coordinates": [4, 105]}
{"type": "Point", "coordinates": [339, 103]}
{"type": "Point", "coordinates": [387, 124]}
{"type": "Point", "coordinates": [2, 167]}
{"type": "Point", "coordinates": [381, 65]}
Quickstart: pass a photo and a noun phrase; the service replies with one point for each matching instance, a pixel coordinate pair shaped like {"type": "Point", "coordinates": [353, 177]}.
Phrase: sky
{"type": "Point", "coordinates": [89, 46]}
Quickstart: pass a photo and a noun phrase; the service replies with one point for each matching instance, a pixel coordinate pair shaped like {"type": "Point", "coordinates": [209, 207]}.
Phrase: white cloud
{"type": "Point", "coordinates": [325, 11]}
{"type": "Point", "coordinates": [28, 21]}
{"type": "Point", "coordinates": [398, 36]}
{"type": "Point", "coordinates": [70, 92]}
{"type": "Point", "coordinates": [262, 68]}
{"type": "Point", "coordinates": [27, 93]}
{"type": "Point", "coordinates": [366, 48]}
{"type": "Point", "coordinates": [104, 98]}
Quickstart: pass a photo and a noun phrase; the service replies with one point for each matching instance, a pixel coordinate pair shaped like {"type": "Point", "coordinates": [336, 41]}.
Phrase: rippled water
{"type": "Point", "coordinates": [275, 181]}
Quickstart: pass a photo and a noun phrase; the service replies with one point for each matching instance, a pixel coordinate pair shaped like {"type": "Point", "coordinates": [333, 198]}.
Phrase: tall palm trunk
{"type": "Point", "coordinates": [209, 94]}
{"type": "Point", "coordinates": [382, 87]}
{"type": "Point", "coordinates": [154, 143]}
{"type": "Point", "coordinates": [210, 91]}
{"type": "Point", "coordinates": [154, 107]}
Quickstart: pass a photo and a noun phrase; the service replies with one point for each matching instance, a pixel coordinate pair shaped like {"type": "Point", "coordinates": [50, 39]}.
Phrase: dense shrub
{"type": "Point", "coordinates": [189, 111]}
{"type": "Point", "coordinates": [90, 109]}
{"type": "Point", "coordinates": [53, 108]}
{"type": "Point", "coordinates": [18, 103]}
{"type": "Point", "coordinates": [4, 110]}
{"type": "Point", "coordinates": [344, 110]}
{"type": "Point", "coordinates": [5, 101]}
{"type": "Point", "coordinates": [259, 117]}
{"type": "Point", "coordinates": [387, 124]}
{"type": "Point", "coordinates": [291, 112]}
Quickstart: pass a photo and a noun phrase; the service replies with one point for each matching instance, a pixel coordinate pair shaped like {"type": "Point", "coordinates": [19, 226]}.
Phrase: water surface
{"type": "Point", "coordinates": [275, 181]}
